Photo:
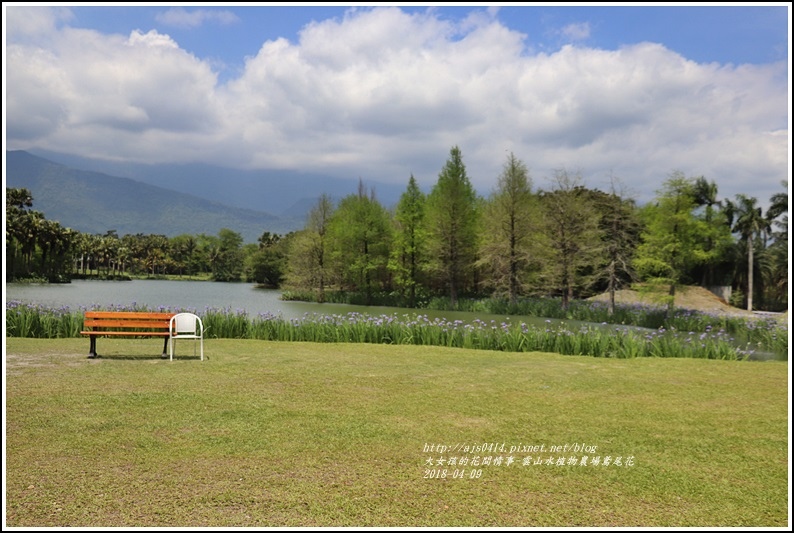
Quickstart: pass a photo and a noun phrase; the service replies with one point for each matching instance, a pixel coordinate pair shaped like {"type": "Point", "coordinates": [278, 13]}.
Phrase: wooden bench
{"type": "Point", "coordinates": [126, 324]}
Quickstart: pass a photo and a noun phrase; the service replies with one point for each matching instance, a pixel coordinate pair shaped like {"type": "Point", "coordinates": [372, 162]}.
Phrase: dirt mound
{"type": "Point", "coordinates": [694, 298]}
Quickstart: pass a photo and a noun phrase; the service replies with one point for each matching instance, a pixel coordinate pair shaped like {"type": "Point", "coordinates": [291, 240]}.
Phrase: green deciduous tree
{"type": "Point", "coordinates": [671, 242]}
{"type": "Point", "coordinates": [510, 238]}
{"type": "Point", "coordinates": [225, 255]}
{"type": "Point", "coordinates": [267, 262]}
{"type": "Point", "coordinates": [408, 255]}
{"type": "Point", "coordinates": [452, 224]}
{"type": "Point", "coordinates": [360, 237]}
{"type": "Point", "coordinates": [571, 227]}
{"type": "Point", "coordinates": [620, 233]}
{"type": "Point", "coordinates": [307, 264]}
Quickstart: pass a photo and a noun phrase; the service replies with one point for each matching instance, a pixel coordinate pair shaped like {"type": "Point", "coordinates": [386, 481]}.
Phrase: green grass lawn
{"type": "Point", "coordinates": [302, 434]}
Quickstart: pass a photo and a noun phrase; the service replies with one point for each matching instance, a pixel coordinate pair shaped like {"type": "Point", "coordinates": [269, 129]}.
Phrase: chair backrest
{"type": "Point", "coordinates": [186, 323]}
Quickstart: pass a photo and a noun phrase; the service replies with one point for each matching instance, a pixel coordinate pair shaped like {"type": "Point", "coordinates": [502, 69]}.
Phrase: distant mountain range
{"type": "Point", "coordinates": [94, 196]}
{"type": "Point", "coordinates": [280, 192]}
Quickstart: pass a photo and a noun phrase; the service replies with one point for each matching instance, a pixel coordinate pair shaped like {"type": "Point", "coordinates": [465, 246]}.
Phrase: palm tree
{"type": "Point", "coordinates": [95, 252]}
{"type": "Point", "coordinates": [47, 240]}
{"type": "Point", "coordinates": [778, 207]}
{"type": "Point", "coordinates": [122, 256]}
{"type": "Point", "coordinates": [705, 192]}
{"type": "Point", "coordinates": [32, 225]}
{"type": "Point", "coordinates": [108, 246]}
{"type": "Point", "coordinates": [17, 202]}
{"type": "Point", "coordinates": [776, 255]}
{"type": "Point", "coordinates": [779, 203]}
{"type": "Point", "coordinates": [61, 249]}
{"type": "Point", "coordinates": [82, 251]}
{"type": "Point", "coordinates": [750, 224]}
{"type": "Point", "coordinates": [706, 196]}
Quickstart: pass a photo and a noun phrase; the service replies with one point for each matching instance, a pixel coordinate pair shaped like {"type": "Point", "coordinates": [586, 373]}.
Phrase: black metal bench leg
{"type": "Point", "coordinates": [92, 350]}
{"type": "Point", "coordinates": [165, 349]}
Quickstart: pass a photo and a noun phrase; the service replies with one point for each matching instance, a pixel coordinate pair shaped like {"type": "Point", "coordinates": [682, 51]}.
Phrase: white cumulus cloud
{"type": "Point", "coordinates": [579, 31]}
{"type": "Point", "coordinates": [383, 94]}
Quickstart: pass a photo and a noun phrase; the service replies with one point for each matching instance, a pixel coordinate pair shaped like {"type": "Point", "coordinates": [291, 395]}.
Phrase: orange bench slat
{"type": "Point", "coordinates": [122, 323]}
{"type": "Point", "coordinates": [127, 333]}
{"type": "Point", "coordinates": [124, 315]}
{"type": "Point", "coordinates": [156, 324]}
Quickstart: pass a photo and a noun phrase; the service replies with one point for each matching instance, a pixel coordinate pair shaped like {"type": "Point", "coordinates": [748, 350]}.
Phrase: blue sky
{"type": "Point", "coordinates": [738, 34]}
{"type": "Point", "coordinates": [384, 92]}
{"type": "Point", "coordinates": [747, 34]}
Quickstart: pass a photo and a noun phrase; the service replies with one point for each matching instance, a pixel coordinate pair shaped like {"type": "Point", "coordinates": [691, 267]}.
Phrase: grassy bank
{"type": "Point", "coordinates": [735, 338]}
{"type": "Point", "coordinates": [304, 434]}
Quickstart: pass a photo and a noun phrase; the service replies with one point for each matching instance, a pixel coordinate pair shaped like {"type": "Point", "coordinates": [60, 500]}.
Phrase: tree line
{"type": "Point", "coordinates": [43, 250]}
{"type": "Point", "coordinates": [567, 241]}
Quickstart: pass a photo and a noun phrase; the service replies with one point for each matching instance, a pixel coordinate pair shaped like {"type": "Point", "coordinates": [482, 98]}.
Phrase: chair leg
{"type": "Point", "coordinates": [171, 342]}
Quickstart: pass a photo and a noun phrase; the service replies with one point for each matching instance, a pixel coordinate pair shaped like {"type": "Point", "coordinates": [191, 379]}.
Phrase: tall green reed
{"type": "Point", "coordinates": [599, 340]}
{"type": "Point", "coordinates": [639, 315]}
{"type": "Point", "coordinates": [29, 320]}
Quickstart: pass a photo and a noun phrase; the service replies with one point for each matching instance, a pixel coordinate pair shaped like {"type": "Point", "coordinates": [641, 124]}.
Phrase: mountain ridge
{"type": "Point", "coordinates": [96, 202]}
{"type": "Point", "coordinates": [284, 193]}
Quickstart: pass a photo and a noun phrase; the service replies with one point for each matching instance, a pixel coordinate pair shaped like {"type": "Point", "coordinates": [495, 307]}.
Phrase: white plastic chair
{"type": "Point", "coordinates": [186, 326]}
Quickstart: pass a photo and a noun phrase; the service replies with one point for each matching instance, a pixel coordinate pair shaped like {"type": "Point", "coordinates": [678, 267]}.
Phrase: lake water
{"type": "Point", "coordinates": [193, 295]}
{"type": "Point", "coordinates": [199, 296]}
